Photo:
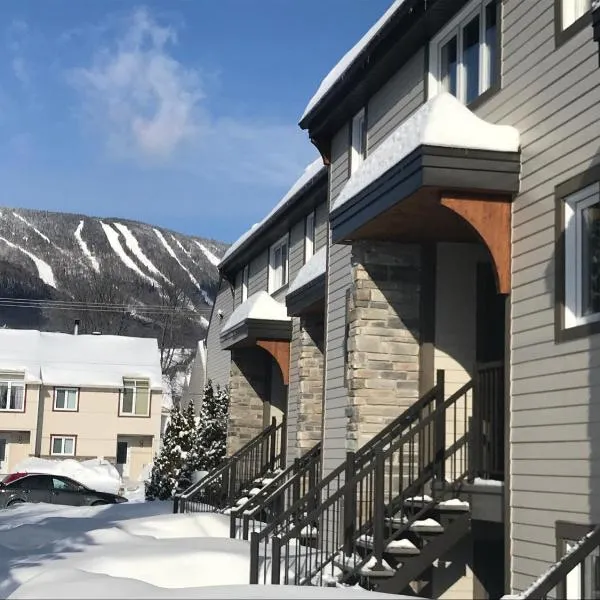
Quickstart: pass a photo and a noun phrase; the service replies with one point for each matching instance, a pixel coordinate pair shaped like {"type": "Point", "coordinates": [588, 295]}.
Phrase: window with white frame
{"type": "Point", "coordinates": [464, 55]}
{"type": "Point", "coordinates": [12, 396]}
{"type": "Point", "coordinates": [309, 236]}
{"type": "Point", "coordinates": [62, 445]}
{"type": "Point", "coordinates": [135, 398]}
{"type": "Point", "coordinates": [278, 264]}
{"type": "Point", "coordinates": [358, 145]}
{"type": "Point", "coordinates": [582, 256]}
{"type": "Point", "coordinates": [245, 282]}
{"type": "Point", "coordinates": [66, 399]}
{"type": "Point", "coordinates": [573, 10]}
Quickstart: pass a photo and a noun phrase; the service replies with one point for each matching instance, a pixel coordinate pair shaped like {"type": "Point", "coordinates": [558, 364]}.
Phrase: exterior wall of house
{"type": "Point", "coordinates": [97, 426]}
{"type": "Point", "coordinates": [248, 385]}
{"type": "Point", "coordinates": [293, 450]}
{"type": "Point", "coordinates": [19, 429]}
{"type": "Point", "coordinates": [338, 281]}
{"type": "Point", "coordinates": [551, 95]}
{"type": "Point", "coordinates": [259, 273]}
{"type": "Point", "coordinates": [383, 336]}
{"type": "Point", "coordinates": [218, 362]}
{"type": "Point", "coordinates": [321, 225]}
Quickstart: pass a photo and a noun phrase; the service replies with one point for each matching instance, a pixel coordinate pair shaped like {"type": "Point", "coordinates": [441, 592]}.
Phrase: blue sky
{"type": "Point", "coordinates": [181, 113]}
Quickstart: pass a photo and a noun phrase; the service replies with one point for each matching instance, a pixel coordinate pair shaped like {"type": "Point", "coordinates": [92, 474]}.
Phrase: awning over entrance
{"type": "Point", "coordinates": [307, 291]}
{"type": "Point", "coordinates": [443, 175]}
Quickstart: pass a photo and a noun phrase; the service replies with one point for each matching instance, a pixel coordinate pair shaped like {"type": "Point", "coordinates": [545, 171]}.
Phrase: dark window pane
{"type": "Point", "coordinates": [37, 482]}
{"type": "Point", "coordinates": [491, 41]}
{"type": "Point", "coordinates": [284, 264]}
{"type": "Point", "coordinates": [17, 397]}
{"type": "Point", "coordinates": [128, 400]}
{"type": "Point", "coordinates": [2, 450]}
{"type": "Point", "coordinates": [449, 66]}
{"type": "Point", "coordinates": [471, 59]}
{"type": "Point", "coordinates": [591, 259]}
{"type": "Point", "coordinates": [3, 396]}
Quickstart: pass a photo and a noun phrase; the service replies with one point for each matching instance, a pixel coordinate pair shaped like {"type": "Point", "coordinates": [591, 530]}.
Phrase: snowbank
{"type": "Point", "coordinates": [96, 474]}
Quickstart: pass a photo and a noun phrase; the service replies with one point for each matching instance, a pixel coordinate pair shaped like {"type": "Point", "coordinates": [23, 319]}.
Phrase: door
{"type": "Point", "coordinates": [123, 458]}
{"type": "Point", "coordinates": [3, 456]}
{"type": "Point", "coordinates": [35, 488]}
{"type": "Point", "coordinates": [66, 491]}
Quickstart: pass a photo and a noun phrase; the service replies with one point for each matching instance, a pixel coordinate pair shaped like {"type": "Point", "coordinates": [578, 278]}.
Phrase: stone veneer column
{"type": "Point", "coordinates": [248, 388]}
{"type": "Point", "coordinates": [310, 374]}
{"type": "Point", "coordinates": [383, 337]}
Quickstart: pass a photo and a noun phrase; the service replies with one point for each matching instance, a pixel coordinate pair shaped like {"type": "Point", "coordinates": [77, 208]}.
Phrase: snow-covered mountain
{"type": "Point", "coordinates": [63, 263]}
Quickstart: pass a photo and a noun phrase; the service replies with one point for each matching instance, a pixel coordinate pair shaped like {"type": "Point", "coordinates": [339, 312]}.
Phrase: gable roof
{"type": "Point", "coordinates": [310, 175]}
{"type": "Point", "coordinates": [79, 360]}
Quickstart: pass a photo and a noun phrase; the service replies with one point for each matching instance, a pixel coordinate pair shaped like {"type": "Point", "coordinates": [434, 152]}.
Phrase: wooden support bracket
{"type": "Point", "coordinates": [280, 351]}
{"type": "Point", "coordinates": [491, 219]}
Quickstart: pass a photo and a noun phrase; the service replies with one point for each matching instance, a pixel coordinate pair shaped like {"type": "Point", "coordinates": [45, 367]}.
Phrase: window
{"type": "Point", "coordinates": [309, 237]}
{"type": "Point", "coordinates": [571, 11]}
{"type": "Point", "coordinates": [245, 280]}
{"type": "Point", "coordinates": [465, 55]}
{"type": "Point", "coordinates": [582, 256]}
{"type": "Point", "coordinates": [358, 145]}
{"type": "Point", "coordinates": [135, 398]}
{"type": "Point", "coordinates": [278, 264]}
{"type": "Point", "coordinates": [66, 399]}
{"type": "Point", "coordinates": [65, 485]}
{"type": "Point", "coordinates": [12, 396]}
{"type": "Point", "coordinates": [62, 445]}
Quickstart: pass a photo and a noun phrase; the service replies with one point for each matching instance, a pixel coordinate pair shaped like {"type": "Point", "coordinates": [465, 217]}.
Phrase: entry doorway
{"type": "Point", "coordinates": [123, 461]}
{"type": "Point", "coordinates": [3, 456]}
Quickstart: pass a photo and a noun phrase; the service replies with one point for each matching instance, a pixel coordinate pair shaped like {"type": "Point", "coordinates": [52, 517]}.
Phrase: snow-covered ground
{"type": "Point", "coordinates": [132, 550]}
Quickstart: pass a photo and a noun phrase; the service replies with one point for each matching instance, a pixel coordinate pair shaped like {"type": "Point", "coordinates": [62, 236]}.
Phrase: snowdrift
{"type": "Point", "coordinates": [97, 474]}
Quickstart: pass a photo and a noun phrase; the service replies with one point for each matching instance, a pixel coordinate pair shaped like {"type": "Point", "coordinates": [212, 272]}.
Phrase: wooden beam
{"type": "Point", "coordinates": [491, 219]}
{"type": "Point", "coordinates": [280, 351]}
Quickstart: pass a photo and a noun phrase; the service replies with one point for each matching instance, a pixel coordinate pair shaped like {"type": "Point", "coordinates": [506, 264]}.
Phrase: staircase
{"type": "Point", "coordinates": [388, 512]}
{"type": "Point", "coordinates": [241, 476]}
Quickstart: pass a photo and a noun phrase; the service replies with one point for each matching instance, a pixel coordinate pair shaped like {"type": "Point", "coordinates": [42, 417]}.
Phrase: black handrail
{"type": "Point", "coordinates": [221, 487]}
{"type": "Point", "coordinates": [283, 490]}
{"type": "Point", "coordinates": [556, 576]}
{"type": "Point", "coordinates": [305, 515]}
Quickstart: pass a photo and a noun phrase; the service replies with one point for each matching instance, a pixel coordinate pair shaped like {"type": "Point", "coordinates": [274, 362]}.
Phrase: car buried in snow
{"type": "Point", "coordinates": [20, 488]}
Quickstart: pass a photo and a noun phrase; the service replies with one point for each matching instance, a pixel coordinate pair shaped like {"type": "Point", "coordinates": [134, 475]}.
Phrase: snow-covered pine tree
{"type": "Point", "coordinates": [210, 446]}
{"type": "Point", "coordinates": [170, 470]}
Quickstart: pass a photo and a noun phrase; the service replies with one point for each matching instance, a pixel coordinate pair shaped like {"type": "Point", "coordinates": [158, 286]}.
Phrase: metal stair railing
{"type": "Point", "coordinates": [221, 488]}
{"type": "Point", "coordinates": [284, 489]}
{"type": "Point", "coordinates": [311, 512]}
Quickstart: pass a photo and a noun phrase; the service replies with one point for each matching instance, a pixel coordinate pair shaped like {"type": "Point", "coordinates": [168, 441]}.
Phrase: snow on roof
{"type": "Point", "coordinates": [344, 64]}
{"type": "Point", "coordinates": [259, 306]}
{"type": "Point", "coordinates": [307, 176]}
{"type": "Point", "coordinates": [79, 360]}
{"type": "Point", "coordinates": [443, 121]}
{"type": "Point", "coordinates": [313, 268]}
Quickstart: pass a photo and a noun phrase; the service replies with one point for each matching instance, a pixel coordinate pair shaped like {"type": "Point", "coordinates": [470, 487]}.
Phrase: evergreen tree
{"type": "Point", "coordinates": [210, 444]}
{"type": "Point", "coordinates": [169, 470]}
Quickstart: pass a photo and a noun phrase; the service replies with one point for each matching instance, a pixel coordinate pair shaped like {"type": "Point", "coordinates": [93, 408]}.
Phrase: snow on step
{"type": "Point", "coordinates": [84, 247]}
{"type": "Point", "coordinates": [402, 547]}
{"type": "Point", "coordinates": [254, 491]}
{"type": "Point", "coordinates": [427, 525]}
{"type": "Point", "coordinates": [372, 569]}
{"type": "Point", "coordinates": [309, 531]}
{"type": "Point", "coordinates": [347, 560]}
{"type": "Point", "coordinates": [425, 499]}
{"type": "Point", "coordinates": [134, 246]}
{"type": "Point", "coordinates": [44, 237]}
{"type": "Point", "coordinates": [212, 258]}
{"type": "Point", "coordinates": [242, 501]}
{"type": "Point", "coordinates": [44, 269]}
{"type": "Point", "coordinates": [170, 250]}
{"type": "Point", "coordinates": [454, 504]}
{"type": "Point", "coordinates": [113, 239]}
{"type": "Point", "coordinates": [268, 480]}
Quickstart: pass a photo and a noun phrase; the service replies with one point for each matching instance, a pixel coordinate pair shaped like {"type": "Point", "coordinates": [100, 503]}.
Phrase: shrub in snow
{"type": "Point", "coordinates": [170, 468]}
{"type": "Point", "coordinates": [210, 444]}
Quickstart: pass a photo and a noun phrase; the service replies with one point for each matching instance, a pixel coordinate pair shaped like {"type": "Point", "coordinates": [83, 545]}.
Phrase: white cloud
{"type": "Point", "coordinates": [152, 108]}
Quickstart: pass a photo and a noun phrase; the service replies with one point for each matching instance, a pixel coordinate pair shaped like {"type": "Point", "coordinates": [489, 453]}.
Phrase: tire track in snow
{"type": "Point", "coordinates": [113, 239]}
{"type": "Point", "coordinates": [135, 248]}
{"type": "Point", "coordinates": [84, 247]}
{"type": "Point", "coordinates": [212, 258]}
{"type": "Point", "coordinates": [170, 250]}
{"type": "Point", "coordinates": [44, 269]}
